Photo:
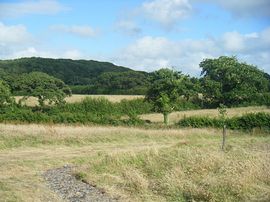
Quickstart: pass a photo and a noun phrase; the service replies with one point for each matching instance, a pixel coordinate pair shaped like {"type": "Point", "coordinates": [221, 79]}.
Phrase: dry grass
{"type": "Point", "coordinates": [176, 116]}
{"type": "Point", "coordinates": [136, 164]}
{"type": "Point", "coordinates": [32, 101]}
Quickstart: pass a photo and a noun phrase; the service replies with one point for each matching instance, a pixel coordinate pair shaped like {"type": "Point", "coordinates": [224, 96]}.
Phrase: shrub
{"type": "Point", "coordinates": [97, 111]}
{"type": "Point", "coordinates": [133, 108]}
{"type": "Point", "coordinates": [247, 122]}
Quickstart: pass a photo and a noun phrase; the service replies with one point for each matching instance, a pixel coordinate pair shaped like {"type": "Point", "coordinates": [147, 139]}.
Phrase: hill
{"type": "Point", "coordinates": [83, 76]}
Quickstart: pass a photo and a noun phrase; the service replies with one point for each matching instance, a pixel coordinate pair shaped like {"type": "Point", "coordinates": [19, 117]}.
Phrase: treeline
{"type": "Point", "coordinates": [82, 76]}
{"type": "Point", "coordinates": [224, 80]}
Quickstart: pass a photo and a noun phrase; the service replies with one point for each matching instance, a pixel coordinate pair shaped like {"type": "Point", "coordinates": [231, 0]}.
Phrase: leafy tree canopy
{"type": "Point", "coordinates": [4, 94]}
{"type": "Point", "coordinates": [167, 86]}
{"type": "Point", "coordinates": [230, 82]}
{"type": "Point", "coordinates": [83, 76]}
{"type": "Point", "coordinates": [44, 87]}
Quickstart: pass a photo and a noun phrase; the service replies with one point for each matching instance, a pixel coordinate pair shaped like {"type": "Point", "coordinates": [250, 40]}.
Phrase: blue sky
{"type": "Point", "coordinates": [140, 34]}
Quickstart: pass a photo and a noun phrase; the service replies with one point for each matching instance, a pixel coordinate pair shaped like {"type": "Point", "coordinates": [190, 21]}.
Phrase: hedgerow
{"type": "Point", "coordinates": [248, 121]}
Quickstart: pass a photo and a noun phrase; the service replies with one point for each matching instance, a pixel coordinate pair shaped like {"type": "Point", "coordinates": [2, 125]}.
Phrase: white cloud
{"type": "Point", "coordinates": [166, 12]}
{"type": "Point", "coordinates": [42, 7]}
{"type": "Point", "coordinates": [29, 52]}
{"type": "Point", "coordinates": [14, 34]}
{"type": "Point", "coordinates": [17, 42]}
{"type": "Point", "coordinates": [233, 41]}
{"type": "Point", "coordinates": [151, 53]}
{"type": "Point", "coordinates": [79, 30]}
{"type": "Point", "coordinates": [35, 52]}
{"type": "Point", "coordinates": [13, 38]}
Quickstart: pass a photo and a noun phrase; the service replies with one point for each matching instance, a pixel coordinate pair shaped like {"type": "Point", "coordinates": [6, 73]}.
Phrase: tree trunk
{"type": "Point", "coordinates": [166, 118]}
{"type": "Point", "coordinates": [223, 137]}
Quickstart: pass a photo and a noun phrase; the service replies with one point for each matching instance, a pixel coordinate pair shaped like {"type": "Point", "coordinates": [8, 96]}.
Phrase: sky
{"type": "Point", "coordinates": [140, 34]}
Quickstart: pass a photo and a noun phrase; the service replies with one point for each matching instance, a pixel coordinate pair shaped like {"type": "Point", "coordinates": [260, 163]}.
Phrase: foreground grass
{"type": "Point", "coordinates": [136, 164]}
{"type": "Point", "coordinates": [193, 169]}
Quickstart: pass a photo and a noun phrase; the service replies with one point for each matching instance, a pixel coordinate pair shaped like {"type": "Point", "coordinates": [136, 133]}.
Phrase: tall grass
{"type": "Point", "coordinates": [136, 164]}
{"type": "Point", "coordinates": [193, 169]}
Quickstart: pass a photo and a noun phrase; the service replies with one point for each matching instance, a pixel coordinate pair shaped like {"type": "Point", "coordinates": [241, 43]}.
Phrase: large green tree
{"type": "Point", "coordinates": [166, 88]}
{"type": "Point", "coordinates": [5, 96]}
{"type": "Point", "coordinates": [44, 87]}
{"type": "Point", "coordinates": [230, 82]}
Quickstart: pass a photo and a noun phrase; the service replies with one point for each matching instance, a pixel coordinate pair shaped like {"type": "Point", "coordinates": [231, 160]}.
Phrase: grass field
{"type": "Point", "coordinates": [136, 164]}
{"type": "Point", "coordinates": [32, 101]}
{"type": "Point", "coordinates": [176, 116]}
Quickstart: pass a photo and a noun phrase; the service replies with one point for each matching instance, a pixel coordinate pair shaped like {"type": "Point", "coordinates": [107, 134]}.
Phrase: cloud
{"type": "Point", "coordinates": [41, 7]}
{"type": "Point", "coordinates": [151, 53]}
{"type": "Point", "coordinates": [14, 34]}
{"type": "Point", "coordinates": [246, 8]}
{"type": "Point", "coordinates": [14, 37]}
{"type": "Point", "coordinates": [17, 42]}
{"type": "Point", "coordinates": [78, 30]}
{"type": "Point", "coordinates": [233, 41]}
{"type": "Point", "coordinates": [128, 27]}
{"type": "Point", "coordinates": [29, 52]}
{"type": "Point", "coordinates": [34, 52]}
{"type": "Point", "coordinates": [166, 12]}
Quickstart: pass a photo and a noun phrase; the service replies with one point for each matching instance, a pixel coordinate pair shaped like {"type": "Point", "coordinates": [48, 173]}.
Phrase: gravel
{"type": "Point", "coordinates": [62, 181]}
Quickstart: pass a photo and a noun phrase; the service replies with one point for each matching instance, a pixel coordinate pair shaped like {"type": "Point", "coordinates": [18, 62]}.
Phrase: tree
{"type": "Point", "coordinates": [5, 96]}
{"type": "Point", "coordinates": [230, 82]}
{"type": "Point", "coordinates": [167, 86]}
{"type": "Point", "coordinates": [44, 87]}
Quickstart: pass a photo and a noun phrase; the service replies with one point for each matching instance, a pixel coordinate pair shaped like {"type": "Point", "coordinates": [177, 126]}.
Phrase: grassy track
{"type": "Point", "coordinates": [136, 164]}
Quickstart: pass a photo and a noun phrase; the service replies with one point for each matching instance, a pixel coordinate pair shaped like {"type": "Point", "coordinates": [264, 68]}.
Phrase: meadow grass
{"type": "Point", "coordinates": [32, 101]}
{"type": "Point", "coordinates": [135, 164]}
{"type": "Point", "coordinates": [231, 112]}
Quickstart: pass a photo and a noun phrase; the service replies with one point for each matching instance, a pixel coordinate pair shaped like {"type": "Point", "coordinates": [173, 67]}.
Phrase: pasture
{"type": "Point", "coordinates": [32, 101]}
{"type": "Point", "coordinates": [135, 164]}
{"type": "Point", "coordinates": [231, 112]}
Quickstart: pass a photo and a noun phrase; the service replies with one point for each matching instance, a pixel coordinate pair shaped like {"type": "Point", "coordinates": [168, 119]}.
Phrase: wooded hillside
{"type": "Point", "coordinates": [83, 76]}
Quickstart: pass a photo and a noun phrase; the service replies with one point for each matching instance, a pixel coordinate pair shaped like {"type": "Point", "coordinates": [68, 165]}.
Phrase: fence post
{"type": "Point", "coordinates": [223, 137]}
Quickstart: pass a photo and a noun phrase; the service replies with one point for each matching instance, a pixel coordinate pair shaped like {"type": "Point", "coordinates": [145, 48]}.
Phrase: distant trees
{"type": "Point", "coordinates": [227, 81]}
{"type": "Point", "coordinates": [83, 76]}
{"type": "Point", "coordinates": [129, 82]}
{"type": "Point", "coordinates": [167, 87]}
{"type": "Point", "coordinates": [224, 80]}
{"type": "Point", "coordinates": [43, 87]}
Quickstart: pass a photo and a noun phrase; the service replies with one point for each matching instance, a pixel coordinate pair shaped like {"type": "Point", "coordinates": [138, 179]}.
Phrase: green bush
{"type": "Point", "coordinates": [133, 108]}
{"type": "Point", "coordinates": [246, 122]}
{"type": "Point", "coordinates": [97, 111]}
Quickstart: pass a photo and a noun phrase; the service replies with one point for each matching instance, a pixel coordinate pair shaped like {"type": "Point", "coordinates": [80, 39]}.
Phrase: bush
{"type": "Point", "coordinates": [247, 122]}
{"type": "Point", "coordinates": [97, 111]}
{"type": "Point", "coordinates": [133, 108]}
